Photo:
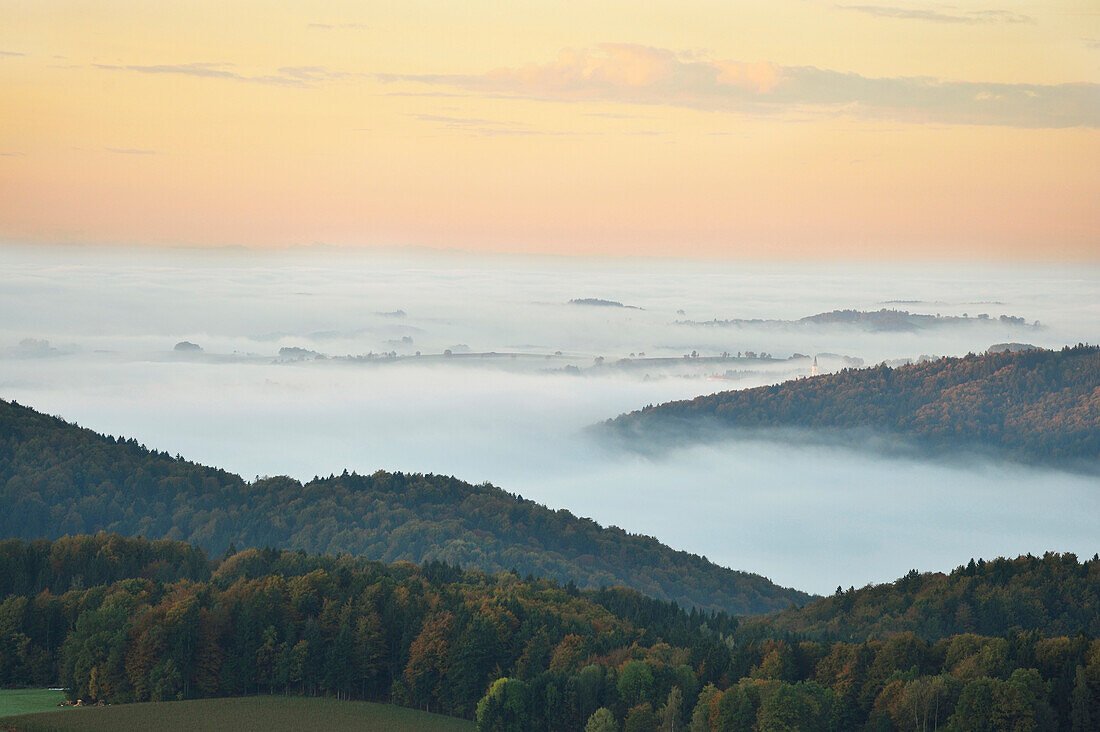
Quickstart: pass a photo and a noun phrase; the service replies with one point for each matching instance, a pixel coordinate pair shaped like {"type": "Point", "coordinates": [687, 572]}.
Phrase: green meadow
{"type": "Point", "coordinates": [244, 714]}
{"type": "Point", "coordinates": [26, 701]}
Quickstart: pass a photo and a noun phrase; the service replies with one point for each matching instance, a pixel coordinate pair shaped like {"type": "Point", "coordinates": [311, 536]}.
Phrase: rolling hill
{"type": "Point", "coordinates": [57, 478]}
{"type": "Point", "coordinates": [1033, 406]}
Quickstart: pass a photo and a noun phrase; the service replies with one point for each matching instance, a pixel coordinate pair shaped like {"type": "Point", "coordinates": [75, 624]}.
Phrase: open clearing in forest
{"type": "Point", "coordinates": [26, 701]}
{"type": "Point", "coordinates": [246, 714]}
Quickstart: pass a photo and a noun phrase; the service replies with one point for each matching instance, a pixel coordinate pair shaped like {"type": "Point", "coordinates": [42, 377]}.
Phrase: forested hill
{"type": "Point", "coordinates": [57, 478]}
{"type": "Point", "coordinates": [1034, 406]}
{"type": "Point", "coordinates": [1053, 594]}
{"type": "Point", "coordinates": [120, 620]}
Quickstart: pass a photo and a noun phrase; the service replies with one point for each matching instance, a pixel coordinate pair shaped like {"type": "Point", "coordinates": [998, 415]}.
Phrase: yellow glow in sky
{"type": "Point", "coordinates": [770, 128]}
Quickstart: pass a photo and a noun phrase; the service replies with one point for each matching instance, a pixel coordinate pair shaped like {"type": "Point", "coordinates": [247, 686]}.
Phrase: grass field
{"type": "Point", "coordinates": [25, 701]}
{"type": "Point", "coordinates": [246, 714]}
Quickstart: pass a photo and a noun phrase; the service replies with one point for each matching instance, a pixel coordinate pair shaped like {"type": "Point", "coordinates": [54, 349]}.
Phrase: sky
{"type": "Point", "coordinates": [785, 129]}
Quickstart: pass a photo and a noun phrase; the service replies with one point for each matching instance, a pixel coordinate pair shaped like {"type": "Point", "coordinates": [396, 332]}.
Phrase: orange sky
{"type": "Point", "coordinates": [763, 128]}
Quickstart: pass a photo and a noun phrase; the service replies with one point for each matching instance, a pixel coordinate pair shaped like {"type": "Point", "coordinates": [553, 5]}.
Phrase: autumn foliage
{"type": "Point", "coordinates": [123, 619]}
{"type": "Point", "coordinates": [1034, 406]}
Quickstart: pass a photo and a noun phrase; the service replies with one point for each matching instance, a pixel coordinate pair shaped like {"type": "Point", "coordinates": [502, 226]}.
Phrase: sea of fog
{"type": "Point", "coordinates": [510, 373]}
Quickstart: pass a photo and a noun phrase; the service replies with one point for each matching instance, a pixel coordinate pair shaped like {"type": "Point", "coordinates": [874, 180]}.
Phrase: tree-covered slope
{"type": "Point", "coordinates": [127, 620]}
{"type": "Point", "coordinates": [118, 620]}
{"type": "Point", "coordinates": [56, 479]}
{"type": "Point", "coordinates": [1035, 406]}
{"type": "Point", "coordinates": [1053, 594]}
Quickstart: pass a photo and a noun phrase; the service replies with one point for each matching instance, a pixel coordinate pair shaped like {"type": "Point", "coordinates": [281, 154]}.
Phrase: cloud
{"type": "Point", "coordinates": [129, 151]}
{"type": "Point", "coordinates": [1000, 16]}
{"type": "Point", "coordinates": [11, 53]}
{"type": "Point", "coordinates": [973, 17]}
{"type": "Point", "coordinates": [634, 74]}
{"type": "Point", "coordinates": [300, 76]}
{"type": "Point", "coordinates": [614, 66]}
{"type": "Point", "coordinates": [312, 74]}
{"type": "Point", "coordinates": [1093, 43]}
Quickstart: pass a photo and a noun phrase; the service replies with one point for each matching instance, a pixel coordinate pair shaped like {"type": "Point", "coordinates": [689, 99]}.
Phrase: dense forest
{"type": "Point", "coordinates": [1054, 594]}
{"type": "Point", "coordinates": [56, 479]}
{"type": "Point", "coordinates": [1035, 406]}
{"type": "Point", "coordinates": [120, 619]}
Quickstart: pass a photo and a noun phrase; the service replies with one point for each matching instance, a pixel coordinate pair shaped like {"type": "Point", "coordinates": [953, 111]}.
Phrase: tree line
{"type": "Point", "coordinates": [1055, 594]}
{"type": "Point", "coordinates": [122, 619]}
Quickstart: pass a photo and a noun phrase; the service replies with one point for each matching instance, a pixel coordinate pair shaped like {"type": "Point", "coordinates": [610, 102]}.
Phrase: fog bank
{"type": "Point", "coordinates": [510, 373]}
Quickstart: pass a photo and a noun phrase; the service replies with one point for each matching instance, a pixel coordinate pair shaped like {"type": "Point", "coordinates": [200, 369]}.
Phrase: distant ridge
{"type": "Point", "coordinates": [1011, 347]}
{"type": "Point", "coordinates": [598, 302]}
{"type": "Point", "coordinates": [1034, 406]}
{"type": "Point", "coordinates": [57, 479]}
{"type": "Point", "coordinates": [886, 320]}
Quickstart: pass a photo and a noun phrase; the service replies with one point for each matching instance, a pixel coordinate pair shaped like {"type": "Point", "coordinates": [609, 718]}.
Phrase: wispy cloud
{"type": "Point", "coordinates": [312, 74]}
{"type": "Point", "coordinates": [1093, 43]}
{"type": "Point", "coordinates": [129, 151]}
{"type": "Point", "coordinates": [300, 76]}
{"type": "Point", "coordinates": [11, 53]}
{"type": "Point", "coordinates": [972, 17]}
{"type": "Point", "coordinates": [11, 154]}
{"type": "Point", "coordinates": [1001, 16]}
{"type": "Point", "coordinates": [634, 74]}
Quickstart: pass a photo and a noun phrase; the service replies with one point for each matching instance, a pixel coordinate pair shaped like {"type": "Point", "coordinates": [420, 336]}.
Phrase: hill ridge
{"type": "Point", "coordinates": [57, 478]}
{"type": "Point", "coordinates": [1037, 406]}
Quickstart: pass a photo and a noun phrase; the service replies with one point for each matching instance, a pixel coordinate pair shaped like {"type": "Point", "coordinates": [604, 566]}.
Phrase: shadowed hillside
{"type": "Point", "coordinates": [56, 479]}
{"type": "Point", "coordinates": [1033, 406]}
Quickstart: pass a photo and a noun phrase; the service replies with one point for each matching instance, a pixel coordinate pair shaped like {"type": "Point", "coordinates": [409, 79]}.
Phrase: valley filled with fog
{"type": "Point", "coordinates": [306, 362]}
